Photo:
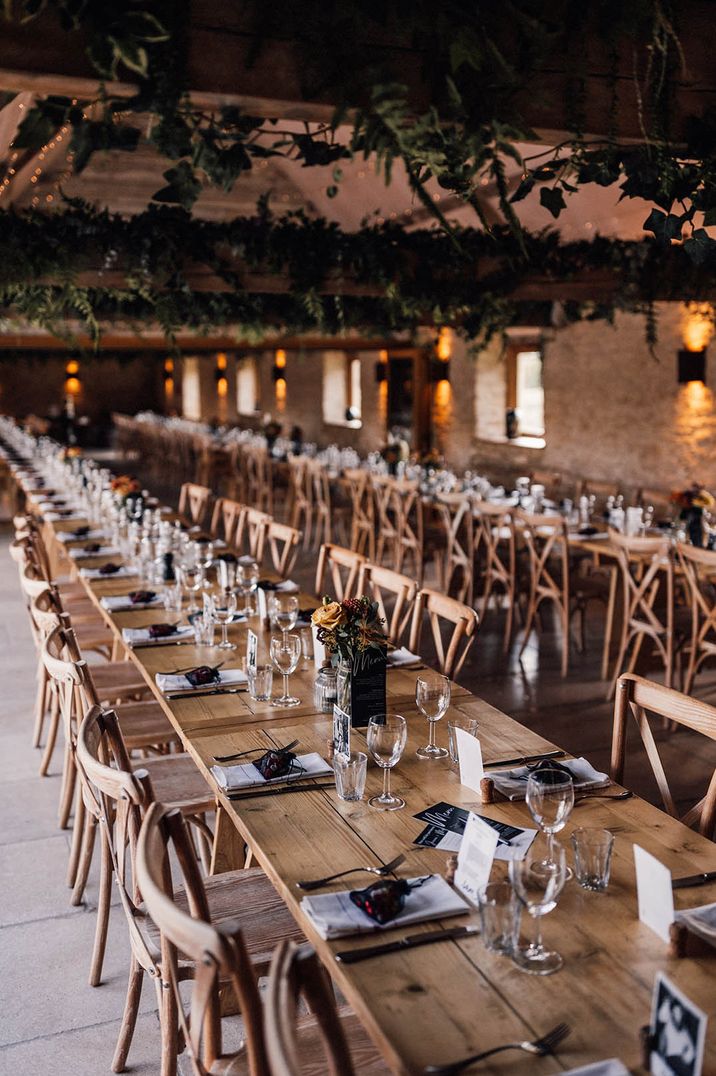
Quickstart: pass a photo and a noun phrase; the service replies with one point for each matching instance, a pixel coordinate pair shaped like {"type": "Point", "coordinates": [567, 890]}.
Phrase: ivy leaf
{"type": "Point", "coordinates": [709, 217]}
{"type": "Point", "coordinates": [553, 200]}
{"type": "Point", "coordinates": [132, 55]}
{"type": "Point", "coordinates": [183, 188]}
{"type": "Point", "coordinates": [35, 131]}
{"type": "Point", "coordinates": [524, 188]}
{"type": "Point", "coordinates": [699, 246]}
{"type": "Point", "coordinates": [144, 26]}
{"type": "Point", "coordinates": [665, 226]}
{"type": "Point", "coordinates": [332, 191]}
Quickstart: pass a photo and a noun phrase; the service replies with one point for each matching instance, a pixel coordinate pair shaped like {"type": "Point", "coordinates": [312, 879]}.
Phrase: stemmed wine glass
{"type": "Point", "coordinates": [386, 736]}
{"type": "Point", "coordinates": [205, 556]}
{"type": "Point", "coordinates": [192, 576]}
{"type": "Point", "coordinates": [284, 611]}
{"type": "Point", "coordinates": [223, 606]}
{"type": "Point", "coordinates": [432, 695]}
{"type": "Point", "coordinates": [537, 890]}
{"type": "Point", "coordinates": [247, 578]}
{"type": "Point", "coordinates": [550, 798]}
{"type": "Point", "coordinates": [285, 652]}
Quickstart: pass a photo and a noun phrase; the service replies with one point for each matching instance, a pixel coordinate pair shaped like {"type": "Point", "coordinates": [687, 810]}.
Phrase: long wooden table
{"type": "Point", "coordinates": [441, 1002]}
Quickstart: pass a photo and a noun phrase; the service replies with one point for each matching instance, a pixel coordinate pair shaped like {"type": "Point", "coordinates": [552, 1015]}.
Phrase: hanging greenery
{"type": "Point", "coordinates": [381, 280]}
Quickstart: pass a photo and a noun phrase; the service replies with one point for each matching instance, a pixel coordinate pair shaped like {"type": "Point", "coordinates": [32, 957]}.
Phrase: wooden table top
{"type": "Point", "coordinates": [438, 1003]}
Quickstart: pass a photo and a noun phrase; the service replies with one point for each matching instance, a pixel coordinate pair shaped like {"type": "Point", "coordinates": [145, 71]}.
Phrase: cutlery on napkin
{"type": "Point", "coordinates": [246, 775]}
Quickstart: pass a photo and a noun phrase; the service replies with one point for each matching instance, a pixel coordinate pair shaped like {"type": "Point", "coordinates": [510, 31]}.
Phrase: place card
{"type": "Point", "coordinates": [252, 649]}
{"type": "Point", "coordinates": [446, 825]}
{"type": "Point", "coordinates": [341, 732]}
{"type": "Point", "coordinates": [654, 893]}
{"type": "Point", "coordinates": [469, 754]}
{"type": "Point", "coordinates": [474, 860]}
{"type": "Point", "coordinates": [678, 1031]}
{"type": "Point", "coordinates": [262, 607]}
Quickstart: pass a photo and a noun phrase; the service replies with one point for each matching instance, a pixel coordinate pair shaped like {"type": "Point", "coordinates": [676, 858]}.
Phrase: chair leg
{"type": "Point", "coordinates": [69, 775]}
{"type": "Point", "coordinates": [103, 905]}
{"type": "Point", "coordinates": [40, 706]}
{"type": "Point", "coordinates": [78, 833]}
{"type": "Point", "coordinates": [509, 619]}
{"type": "Point", "coordinates": [85, 862]}
{"type": "Point", "coordinates": [51, 736]}
{"type": "Point", "coordinates": [169, 1017]}
{"type": "Point", "coordinates": [129, 1017]}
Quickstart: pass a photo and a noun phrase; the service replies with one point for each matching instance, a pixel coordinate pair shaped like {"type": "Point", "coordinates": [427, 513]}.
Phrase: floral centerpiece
{"type": "Point", "coordinates": [353, 633]}
{"type": "Point", "coordinates": [692, 502]}
{"type": "Point", "coordinates": [127, 491]}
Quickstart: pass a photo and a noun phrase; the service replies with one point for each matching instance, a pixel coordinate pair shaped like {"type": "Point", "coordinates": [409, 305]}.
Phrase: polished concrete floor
{"type": "Point", "coordinates": [51, 1021]}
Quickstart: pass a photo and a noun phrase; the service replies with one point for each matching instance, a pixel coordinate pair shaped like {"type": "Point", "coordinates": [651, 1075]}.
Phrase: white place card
{"type": "Point", "coordinates": [654, 893]}
{"type": "Point", "coordinates": [469, 754]}
{"type": "Point", "coordinates": [678, 1032]}
{"type": "Point", "coordinates": [252, 649]}
{"type": "Point", "coordinates": [262, 607]}
{"type": "Point", "coordinates": [319, 650]}
{"type": "Point", "coordinates": [474, 860]}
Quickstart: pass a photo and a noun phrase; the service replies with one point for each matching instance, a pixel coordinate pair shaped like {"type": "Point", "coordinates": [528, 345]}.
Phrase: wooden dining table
{"type": "Point", "coordinates": [438, 1003]}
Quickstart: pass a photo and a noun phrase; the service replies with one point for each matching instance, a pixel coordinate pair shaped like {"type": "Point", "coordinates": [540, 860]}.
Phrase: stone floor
{"type": "Point", "coordinates": [51, 1021]}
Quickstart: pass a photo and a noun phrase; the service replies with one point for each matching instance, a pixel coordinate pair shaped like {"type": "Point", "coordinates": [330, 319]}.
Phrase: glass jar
{"type": "Point", "coordinates": [325, 689]}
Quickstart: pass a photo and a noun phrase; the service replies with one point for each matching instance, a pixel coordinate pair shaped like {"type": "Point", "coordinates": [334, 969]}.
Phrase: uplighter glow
{"type": "Point", "coordinates": [697, 325]}
{"type": "Point", "coordinates": [443, 348]}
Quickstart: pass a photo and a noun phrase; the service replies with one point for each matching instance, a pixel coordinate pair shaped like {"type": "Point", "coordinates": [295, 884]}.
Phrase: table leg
{"type": "Point", "coordinates": [229, 851]}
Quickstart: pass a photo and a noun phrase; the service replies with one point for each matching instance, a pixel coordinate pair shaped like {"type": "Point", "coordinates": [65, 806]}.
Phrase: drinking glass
{"type": "Point", "coordinates": [172, 597]}
{"type": "Point", "coordinates": [227, 573]}
{"type": "Point", "coordinates": [284, 612]}
{"type": "Point", "coordinates": [260, 682]}
{"type": "Point", "coordinates": [500, 914]}
{"type": "Point", "coordinates": [537, 891]}
{"type": "Point", "coordinates": [550, 798]}
{"type": "Point", "coordinates": [206, 559]}
{"type": "Point", "coordinates": [386, 736]}
{"type": "Point", "coordinates": [285, 653]}
{"type": "Point", "coordinates": [204, 625]}
{"type": "Point", "coordinates": [468, 725]}
{"type": "Point", "coordinates": [192, 577]}
{"type": "Point", "coordinates": [350, 771]}
{"type": "Point", "coordinates": [247, 578]}
{"type": "Point", "coordinates": [592, 857]}
{"type": "Point", "coordinates": [223, 608]}
{"type": "Point", "coordinates": [432, 695]}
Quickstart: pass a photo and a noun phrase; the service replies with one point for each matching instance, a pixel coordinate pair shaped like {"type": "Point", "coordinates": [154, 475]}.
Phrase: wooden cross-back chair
{"type": "Point", "coordinates": [411, 527]}
{"type": "Point", "coordinates": [235, 473]}
{"type": "Point", "coordinates": [457, 560]}
{"type": "Point", "coordinates": [250, 534]}
{"type": "Point", "coordinates": [227, 926]}
{"type": "Point", "coordinates": [601, 491]}
{"type": "Point", "coordinates": [496, 559]}
{"type": "Point", "coordinates": [225, 520]}
{"type": "Point", "coordinates": [442, 610]}
{"type": "Point", "coordinates": [377, 583]}
{"type": "Point", "coordinates": [342, 567]}
{"type": "Point", "coordinates": [658, 499]}
{"type": "Point", "coordinates": [259, 480]}
{"type": "Point", "coordinates": [357, 484]}
{"type": "Point", "coordinates": [194, 503]}
{"type": "Point", "coordinates": [641, 697]}
{"type": "Point", "coordinates": [387, 517]}
{"type": "Point", "coordinates": [698, 567]}
{"type": "Point", "coordinates": [330, 513]}
{"type": "Point", "coordinates": [283, 542]}
{"type": "Point", "coordinates": [646, 569]}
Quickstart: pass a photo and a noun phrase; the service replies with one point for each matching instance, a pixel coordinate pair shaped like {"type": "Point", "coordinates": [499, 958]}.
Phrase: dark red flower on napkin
{"type": "Point", "coordinates": [110, 568]}
{"type": "Point", "coordinates": [383, 900]}
{"type": "Point", "coordinates": [159, 631]}
{"type": "Point", "coordinates": [203, 674]}
{"type": "Point", "coordinates": [276, 764]}
{"type": "Point", "coordinates": [80, 532]}
{"type": "Point", "coordinates": [91, 547]}
{"type": "Point", "coordinates": [141, 597]}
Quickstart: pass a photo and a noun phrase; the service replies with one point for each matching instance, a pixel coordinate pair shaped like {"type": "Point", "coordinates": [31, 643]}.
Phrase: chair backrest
{"type": "Point", "coordinates": [259, 479]}
{"type": "Point", "coordinates": [358, 486]}
{"type": "Point", "coordinates": [645, 563]}
{"type": "Point", "coordinates": [377, 583]}
{"type": "Point", "coordinates": [495, 545]}
{"type": "Point", "coordinates": [297, 975]}
{"type": "Point", "coordinates": [250, 535]}
{"type": "Point", "coordinates": [545, 538]}
{"type": "Point", "coordinates": [225, 520]}
{"type": "Point", "coordinates": [387, 518]}
{"type": "Point", "coordinates": [590, 487]}
{"type": "Point", "coordinates": [283, 542]}
{"type": "Point", "coordinates": [440, 609]}
{"type": "Point", "coordinates": [343, 567]}
{"type": "Point", "coordinates": [411, 530]}
{"type": "Point", "coordinates": [455, 513]}
{"type": "Point", "coordinates": [659, 499]}
{"type": "Point", "coordinates": [642, 697]}
{"type": "Point", "coordinates": [218, 952]}
{"type": "Point", "coordinates": [698, 568]}
{"type": "Point", "coordinates": [194, 502]}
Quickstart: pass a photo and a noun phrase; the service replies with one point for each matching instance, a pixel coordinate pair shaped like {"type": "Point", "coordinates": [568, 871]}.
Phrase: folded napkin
{"type": "Point", "coordinates": [65, 516]}
{"type": "Point", "coordinates": [97, 573]}
{"type": "Point", "coordinates": [512, 783]}
{"type": "Point", "coordinates": [90, 536]}
{"type": "Point", "coordinates": [132, 636]}
{"type": "Point", "coordinates": [178, 682]}
{"type": "Point", "coordinates": [120, 603]}
{"type": "Point", "coordinates": [700, 921]}
{"type": "Point", "coordinates": [612, 1067]}
{"type": "Point", "coordinates": [103, 551]}
{"type": "Point", "coordinates": [403, 656]}
{"type": "Point", "coordinates": [286, 586]}
{"type": "Point", "coordinates": [335, 915]}
{"type": "Point", "coordinates": [231, 778]}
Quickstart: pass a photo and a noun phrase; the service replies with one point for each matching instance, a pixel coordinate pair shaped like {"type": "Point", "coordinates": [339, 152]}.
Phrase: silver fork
{"type": "Point", "coordinates": [252, 750]}
{"type": "Point", "coordinates": [180, 672]}
{"type": "Point", "coordinates": [544, 1045]}
{"type": "Point", "coordinates": [316, 883]}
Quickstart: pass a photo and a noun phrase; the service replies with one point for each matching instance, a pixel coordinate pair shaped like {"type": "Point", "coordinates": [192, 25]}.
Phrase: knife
{"type": "Point", "coordinates": [260, 793]}
{"type": "Point", "coordinates": [522, 760]}
{"type": "Point", "coordinates": [693, 879]}
{"type": "Point", "coordinates": [171, 642]}
{"type": "Point", "coordinates": [353, 956]}
{"type": "Point", "coordinates": [201, 694]}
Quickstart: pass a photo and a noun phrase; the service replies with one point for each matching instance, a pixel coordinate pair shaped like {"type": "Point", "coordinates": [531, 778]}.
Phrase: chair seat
{"type": "Point", "coordinates": [248, 897]}
{"type": "Point", "coordinates": [92, 634]}
{"type": "Point", "coordinates": [177, 782]}
{"type": "Point", "coordinates": [117, 679]}
{"type": "Point", "coordinates": [144, 724]}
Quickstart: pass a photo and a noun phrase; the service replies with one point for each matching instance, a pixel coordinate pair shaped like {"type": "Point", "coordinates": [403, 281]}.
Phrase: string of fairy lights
{"type": "Point", "coordinates": [40, 163]}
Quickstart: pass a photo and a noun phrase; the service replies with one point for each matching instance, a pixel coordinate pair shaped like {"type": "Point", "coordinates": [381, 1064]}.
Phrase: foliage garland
{"type": "Point", "coordinates": [421, 276]}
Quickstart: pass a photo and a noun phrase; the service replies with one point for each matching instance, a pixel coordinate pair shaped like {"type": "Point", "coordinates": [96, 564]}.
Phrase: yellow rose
{"type": "Point", "coordinates": [703, 499]}
{"type": "Point", "coordinates": [328, 616]}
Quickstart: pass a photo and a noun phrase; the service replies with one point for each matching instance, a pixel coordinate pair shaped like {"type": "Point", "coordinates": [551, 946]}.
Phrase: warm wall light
{"type": "Point", "coordinates": [222, 386]}
{"type": "Point", "coordinates": [73, 367]}
{"type": "Point", "coordinates": [443, 347]}
{"type": "Point", "coordinates": [221, 361]}
{"type": "Point", "coordinates": [73, 385]}
{"type": "Point", "coordinates": [697, 325]}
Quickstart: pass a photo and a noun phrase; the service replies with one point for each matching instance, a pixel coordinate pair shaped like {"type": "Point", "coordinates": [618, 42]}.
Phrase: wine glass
{"type": "Point", "coordinates": [386, 736]}
{"type": "Point", "coordinates": [537, 890]}
{"type": "Point", "coordinates": [285, 652]}
{"type": "Point", "coordinates": [247, 578]}
{"type": "Point", "coordinates": [192, 577]}
{"type": "Point", "coordinates": [284, 612]}
{"type": "Point", "coordinates": [432, 695]}
{"type": "Point", "coordinates": [223, 607]}
{"type": "Point", "coordinates": [550, 798]}
{"type": "Point", "coordinates": [206, 559]}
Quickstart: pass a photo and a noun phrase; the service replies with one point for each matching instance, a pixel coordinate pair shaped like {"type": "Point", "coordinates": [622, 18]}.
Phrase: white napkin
{"type": "Point", "coordinates": [402, 656]}
{"type": "Point", "coordinates": [335, 915]}
{"type": "Point", "coordinates": [132, 636]}
{"type": "Point", "coordinates": [701, 921]}
{"type": "Point", "coordinates": [91, 536]}
{"type": "Point", "coordinates": [96, 573]}
{"type": "Point", "coordinates": [55, 517]}
{"type": "Point", "coordinates": [120, 603]}
{"type": "Point", "coordinates": [286, 586]}
{"type": "Point", "coordinates": [103, 551]}
{"type": "Point", "coordinates": [513, 783]}
{"type": "Point", "coordinates": [612, 1067]}
{"type": "Point", "coordinates": [246, 775]}
{"type": "Point", "coordinates": [179, 682]}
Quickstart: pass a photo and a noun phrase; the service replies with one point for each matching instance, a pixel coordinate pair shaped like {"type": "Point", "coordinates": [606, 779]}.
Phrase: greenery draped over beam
{"type": "Point", "coordinates": [478, 61]}
{"type": "Point", "coordinates": [423, 277]}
